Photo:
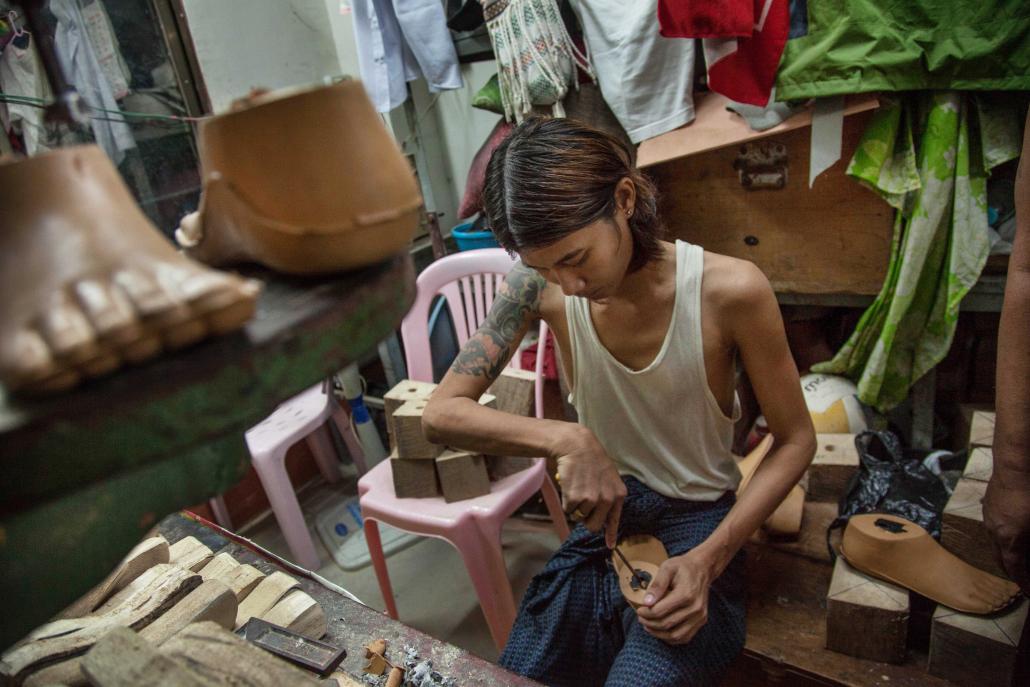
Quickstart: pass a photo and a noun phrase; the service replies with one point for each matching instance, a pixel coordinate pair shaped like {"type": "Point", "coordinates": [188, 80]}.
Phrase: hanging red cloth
{"type": "Point", "coordinates": [706, 18]}
{"type": "Point", "coordinates": [744, 69]}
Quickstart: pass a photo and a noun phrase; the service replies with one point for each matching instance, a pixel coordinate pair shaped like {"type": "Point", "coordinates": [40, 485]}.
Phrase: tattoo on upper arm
{"type": "Point", "coordinates": [516, 304]}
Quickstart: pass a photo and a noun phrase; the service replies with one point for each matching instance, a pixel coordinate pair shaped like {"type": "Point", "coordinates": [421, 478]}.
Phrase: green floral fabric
{"type": "Point", "coordinates": [928, 155]}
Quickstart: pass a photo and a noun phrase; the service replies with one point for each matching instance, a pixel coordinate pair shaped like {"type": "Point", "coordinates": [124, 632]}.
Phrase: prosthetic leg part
{"type": "Point", "coordinates": [304, 182]}
{"type": "Point", "coordinates": [902, 552]}
{"type": "Point", "coordinates": [88, 282]}
{"type": "Point", "coordinates": [646, 554]}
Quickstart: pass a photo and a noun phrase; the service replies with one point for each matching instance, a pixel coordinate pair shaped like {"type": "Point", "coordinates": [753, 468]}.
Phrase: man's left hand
{"type": "Point", "coordinates": [676, 605]}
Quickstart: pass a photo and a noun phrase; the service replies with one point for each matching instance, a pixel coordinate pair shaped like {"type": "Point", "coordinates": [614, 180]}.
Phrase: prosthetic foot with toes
{"type": "Point", "coordinates": [88, 283]}
{"type": "Point", "coordinates": [645, 555]}
{"type": "Point", "coordinates": [902, 552]}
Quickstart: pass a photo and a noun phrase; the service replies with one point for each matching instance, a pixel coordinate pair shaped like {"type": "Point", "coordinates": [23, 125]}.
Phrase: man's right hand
{"type": "Point", "coordinates": [1006, 511]}
{"type": "Point", "coordinates": [590, 482]}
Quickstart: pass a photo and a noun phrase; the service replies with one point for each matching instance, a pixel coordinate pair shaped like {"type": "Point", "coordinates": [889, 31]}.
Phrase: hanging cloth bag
{"type": "Point", "coordinates": [536, 58]}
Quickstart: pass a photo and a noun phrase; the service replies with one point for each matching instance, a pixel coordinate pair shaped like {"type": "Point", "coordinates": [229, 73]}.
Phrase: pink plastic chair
{"type": "Point", "coordinates": [472, 526]}
{"type": "Point", "coordinates": [301, 417]}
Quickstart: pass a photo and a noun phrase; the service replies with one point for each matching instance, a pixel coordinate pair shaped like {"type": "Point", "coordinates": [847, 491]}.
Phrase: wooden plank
{"type": "Point", "coordinates": [515, 391]}
{"type": "Point", "coordinates": [962, 527]}
{"type": "Point", "coordinates": [62, 639]}
{"type": "Point", "coordinates": [411, 443]}
{"type": "Point", "coordinates": [124, 659]}
{"type": "Point", "coordinates": [189, 553]}
{"type": "Point", "coordinates": [714, 126]}
{"type": "Point", "coordinates": [299, 613]}
{"type": "Point", "coordinates": [980, 465]}
{"type": "Point", "coordinates": [220, 656]}
{"type": "Point", "coordinates": [402, 392]}
{"type": "Point", "coordinates": [414, 479]}
{"type": "Point", "coordinates": [834, 464]}
{"type": "Point", "coordinates": [462, 475]}
{"type": "Point", "coordinates": [268, 593]}
{"type": "Point", "coordinates": [976, 650]}
{"type": "Point", "coordinates": [142, 557]}
{"type": "Point", "coordinates": [981, 429]}
{"type": "Point", "coordinates": [832, 239]}
{"type": "Point", "coordinates": [866, 617]}
{"type": "Point", "coordinates": [212, 600]}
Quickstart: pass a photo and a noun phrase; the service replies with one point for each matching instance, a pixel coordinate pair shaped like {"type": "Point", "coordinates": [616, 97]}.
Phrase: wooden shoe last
{"type": "Point", "coordinates": [88, 282]}
{"type": "Point", "coordinates": [303, 182]}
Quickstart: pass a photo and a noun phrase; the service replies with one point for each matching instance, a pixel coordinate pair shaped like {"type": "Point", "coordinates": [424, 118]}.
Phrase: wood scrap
{"type": "Point", "coordinates": [981, 429]}
{"type": "Point", "coordinates": [834, 464]}
{"type": "Point", "coordinates": [189, 553]}
{"type": "Point", "coordinates": [866, 617]}
{"type": "Point", "coordinates": [298, 612]}
{"type": "Point", "coordinates": [218, 655]}
{"type": "Point", "coordinates": [408, 437]}
{"type": "Point", "coordinates": [396, 677]}
{"type": "Point", "coordinates": [222, 564]}
{"type": "Point", "coordinates": [344, 680]}
{"type": "Point", "coordinates": [62, 639]}
{"type": "Point", "coordinates": [515, 391]}
{"type": "Point", "coordinates": [402, 392]}
{"type": "Point", "coordinates": [124, 659]}
{"type": "Point", "coordinates": [242, 580]}
{"type": "Point", "coordinates": [980, 465]}
{"type": "Point", "coordinates": [962, 527]}
{"type": "Point", "coordinates": [974, 649]}
{"type": "Point", "coordinates": [142, 557]}
{"type": "Point", "coordinates": [462, 474]}
{"type": "Point", "coordinates": [268, 593]}
{"type": "Point", "coordinates": [375, 657]}
{"type": "Point", "coordinates": [142, 581]}
{"type": "Point", "coordinates": [499, 467]}
{"type": "Point", "coordinates": [414, 479]}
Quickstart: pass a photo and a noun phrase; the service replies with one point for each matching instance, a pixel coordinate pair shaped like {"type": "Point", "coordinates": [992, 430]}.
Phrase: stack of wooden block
{"type": "Point", "coordinates": [423, 469]}
{"type": "Point", "coordinates": [159, 591]}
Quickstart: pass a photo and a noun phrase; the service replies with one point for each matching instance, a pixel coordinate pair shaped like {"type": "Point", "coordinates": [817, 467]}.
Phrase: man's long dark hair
{"type": "Point", "coordinates": [552, 177]}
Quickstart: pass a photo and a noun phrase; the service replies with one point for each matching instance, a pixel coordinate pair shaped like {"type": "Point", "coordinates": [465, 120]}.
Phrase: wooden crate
{"type": "Point", "coordinates": [832, 238]}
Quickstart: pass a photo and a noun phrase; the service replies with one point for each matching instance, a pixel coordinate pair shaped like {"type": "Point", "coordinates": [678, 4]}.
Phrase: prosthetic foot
{"type": "Point", "coordinates": [902, 552]}
{"type": "Point", "coordinates": [785, 521]}
{"type": "Point", "coordinates": [645, 555]}
{"type": "Point", "coordinates": [307, 182]}
{"type": "Point", "coordinates": [88, 283]}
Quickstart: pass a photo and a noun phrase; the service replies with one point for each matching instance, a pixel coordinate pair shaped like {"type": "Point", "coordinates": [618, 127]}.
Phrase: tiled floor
{"type": "Point", "coordinates": [430, 583]}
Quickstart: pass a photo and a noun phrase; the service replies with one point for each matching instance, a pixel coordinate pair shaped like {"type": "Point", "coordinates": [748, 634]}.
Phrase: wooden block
{"type": "Point", "coordinates": [404, 391]}
{"type": "Point", "coordinates": [414, 479]}
{"type": "Point", "coordinates": [980, 465]}
{"type": "Point", "coordinates": [71, 637]}
{"type": "Point", "coordinates": [515, 391]}
{"type": "Point", "coordinates": [834, 464]}
{"type": "Point", "coordinates": [189, 553]}
{"type": "Point", "coordinates": [411, 443]}
{"type": "Point", "coordinates": [222, 564]}
{"type": "Point", "coordinates": [212, 600]}
{"type": "Point", "coordinates": [974, 649]}
{"type": "Point", "coordinates": [219, 655]}
{"type": "Point", "coordinates": [866, 617]}
{"type": "Point", "coordinates": [242, 580]}
{"type": "Point", "coordinates": [267, 594]}
{"type": "Point", "coordinates": [141, 558]}
{"type": "Point", "coordinates": [462, 475]}
{"type": "Point", "coordinates": [499, 467]}
{"type": "Point", "coordinates": [299, 613]}
{"type": "Point", "coordinates": [124, 659]}
{"type": "Point", "coordinates": [981, 429]}
{"type": "Point", "coordinates": [142, 581]}
{"type": "Point", "coordinates": [962, 527]}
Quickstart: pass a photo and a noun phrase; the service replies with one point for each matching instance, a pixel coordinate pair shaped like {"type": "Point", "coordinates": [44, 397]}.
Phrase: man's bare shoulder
{"type": "Point", "coordinates": [734, 285]}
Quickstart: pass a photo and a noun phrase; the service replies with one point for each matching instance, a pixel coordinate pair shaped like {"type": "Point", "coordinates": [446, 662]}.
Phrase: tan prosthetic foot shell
{"type": "Point", "coordinates": [646, 554]}
{"type": "Point", "coordinates": [88, 282]}
{"type": "Point", "coordinates": [786, 519]}
{"type": "Point", "coordinates": [304, 182]}
{"type": "Point", "coordinates": [902, 552]}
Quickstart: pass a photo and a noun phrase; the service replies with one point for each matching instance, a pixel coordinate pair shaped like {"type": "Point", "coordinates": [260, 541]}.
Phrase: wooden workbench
{"type": "Point", "coordinates": [352, 625]}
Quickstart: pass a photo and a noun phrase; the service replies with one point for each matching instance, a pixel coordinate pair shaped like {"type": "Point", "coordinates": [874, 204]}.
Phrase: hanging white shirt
{"type": "Point", "coordinates": [21, 73]}
{"type": "Point", "coordinates": [83, 71]}
{"type": "Point", "coordinates": [400, 40]}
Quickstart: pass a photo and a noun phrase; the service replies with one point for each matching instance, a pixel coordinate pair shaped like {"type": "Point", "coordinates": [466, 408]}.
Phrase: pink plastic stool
{"type": "Point", "coordinates": [301, 417]}
{"type": "Point", "coordinates": [473, 527]}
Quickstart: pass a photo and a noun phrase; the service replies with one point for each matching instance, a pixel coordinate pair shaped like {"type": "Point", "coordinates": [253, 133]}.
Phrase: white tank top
{"type": "Point", "coordinates": [660, 424]}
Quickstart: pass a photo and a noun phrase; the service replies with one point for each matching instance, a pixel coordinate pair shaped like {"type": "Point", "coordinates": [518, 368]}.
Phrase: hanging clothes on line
{"type": "Point", "coordinates": [706, 18]}
{"type": "Point", "coordinates": [399, 41]}
{"type": "Point", "coordinates": [21, 74]}
{"type": "Point", "coordinates": [928, 155]}
{"type": "Point", "coordinates": [84, 72]}
{"type": "Point", "coordinates": [647, 80]}
{"type": "Point", "coordinates": [744, 69]}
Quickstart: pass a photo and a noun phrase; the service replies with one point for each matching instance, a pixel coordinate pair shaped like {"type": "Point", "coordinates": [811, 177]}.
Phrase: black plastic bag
{"type": "Point", "coordinates": [887, 482]}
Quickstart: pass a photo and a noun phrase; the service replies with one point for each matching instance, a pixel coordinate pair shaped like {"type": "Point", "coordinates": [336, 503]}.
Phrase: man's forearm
{"type": "Point", "coordinates": [772, 481]}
